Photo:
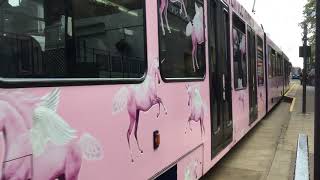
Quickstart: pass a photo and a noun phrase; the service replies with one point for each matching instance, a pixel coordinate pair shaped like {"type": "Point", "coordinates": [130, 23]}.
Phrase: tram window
{"type": "Point", "coordinates": [239, 53]}
{"type": "Point", "coordinates": [275, 65]}
{"type": "Point", "coordinates": [278, 64]}
{"type": "Point", "coordinates": [281, 64]}
{"type": "Point", "coordinates": [276, 72]}
{"type": "Point", "coordinates": [110, 38]}
{"type": "Point", "coordinates": [182, 57]}
{"type": "Point", "coordinates": [260, 64]}
{"type": "Point", "coordinates": [103, 39]}
{"type": "Point", "coordinates": [271, 62]}
{"type": "Point", "coordinates": [31, 38]}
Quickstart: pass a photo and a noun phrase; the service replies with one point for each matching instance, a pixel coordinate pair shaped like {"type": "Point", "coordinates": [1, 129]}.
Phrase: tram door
{"type": "Point", "coordinates": [219, 76]}
{"type": "Point", "coordinates": [253, 101]}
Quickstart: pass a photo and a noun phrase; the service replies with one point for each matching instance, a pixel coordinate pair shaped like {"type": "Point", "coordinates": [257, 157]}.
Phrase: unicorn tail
{"type": "Point", "coordinates": [120, 100]}
{"type": "Point", "coordinates": [91, 148]}
{"type": "Point", "coordinates": [189, 29]}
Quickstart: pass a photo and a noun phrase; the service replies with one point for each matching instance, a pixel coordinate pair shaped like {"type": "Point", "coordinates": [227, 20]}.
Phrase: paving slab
{"type": "Point", "coordinates": [252, 157]}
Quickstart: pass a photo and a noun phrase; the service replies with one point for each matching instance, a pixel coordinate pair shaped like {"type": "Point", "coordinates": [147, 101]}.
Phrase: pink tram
{"type": "Point", "coordinates": [130, 89]}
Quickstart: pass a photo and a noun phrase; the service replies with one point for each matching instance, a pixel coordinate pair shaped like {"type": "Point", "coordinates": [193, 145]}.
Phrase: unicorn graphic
{"type": "Point", "coordinates": [32, 125]}
{"type": "Point", "coordinates": [163, 10]}
{"type": "Point", "coordinates": [241, 98]}
{"type": "Point", "coordinates": [136, 98]}
{"type": "Point", "coordinates": [196, 105]}
{"type": "Point", "coordinates": [195, 29]}
{"type": "Point", "coordinates": [191, 171]}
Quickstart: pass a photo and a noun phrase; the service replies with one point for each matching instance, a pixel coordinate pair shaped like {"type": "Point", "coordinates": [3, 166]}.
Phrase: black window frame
{"type": "Point", "coordinates": [53, 82]}
{"type": "Point", "coordinates": [272, 61]}
{"type": "Point", "coordinates": [282, 65]}
{"type": "Point", "coordinates": [186, 79]}
{"type": "Point", "coordinates": [278, 64]}
{"type": "Point", "coordinates": [263, 63]}
{"type": "Point", "coordinates": [246, 37]}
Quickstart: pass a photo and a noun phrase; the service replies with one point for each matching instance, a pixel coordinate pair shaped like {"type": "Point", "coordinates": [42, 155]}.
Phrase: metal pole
{"type": "Point", "coordinates": [304, 73]}
{"type": "Point", "coordinates": [253, 7]}
{"type": "Point", "coordinates": [317, 100]}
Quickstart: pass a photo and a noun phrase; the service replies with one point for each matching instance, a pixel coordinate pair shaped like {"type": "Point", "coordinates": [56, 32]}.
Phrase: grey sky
{"type": "Point", "coordinates": [280, 19]}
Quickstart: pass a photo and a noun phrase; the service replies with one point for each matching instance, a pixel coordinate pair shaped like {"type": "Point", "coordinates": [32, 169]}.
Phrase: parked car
{"type": "Point", "coordinates": [295, 76]}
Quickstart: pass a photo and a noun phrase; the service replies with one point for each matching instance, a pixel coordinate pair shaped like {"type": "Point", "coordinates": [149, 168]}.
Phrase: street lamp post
{"type": "Point", "coordinates": [304, 73]}
{"type": "Point", "coordinates": [253, 7]}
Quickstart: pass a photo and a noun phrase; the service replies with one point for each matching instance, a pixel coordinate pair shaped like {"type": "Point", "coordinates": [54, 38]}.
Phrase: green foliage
{"type": "Point", "coordinates": [309, 14]}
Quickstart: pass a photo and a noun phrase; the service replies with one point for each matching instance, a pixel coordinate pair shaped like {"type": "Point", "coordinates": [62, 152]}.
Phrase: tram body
{"type": "Point", "coordinates": [130, 89]}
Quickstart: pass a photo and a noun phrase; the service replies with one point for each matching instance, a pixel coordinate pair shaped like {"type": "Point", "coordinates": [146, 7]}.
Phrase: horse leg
{"type": "Point", "coordinates": [162, 7]}
{"type": "Point", "coordinates": [196, 55]}
{"type": "Point", "coordinates": [181, 7]}
{"type": "Point", "coordinates": [184, 8]}
{"type": "Point", "coordinates": [193, 58]}
{"type": "Point", "coordinates": [132, 122]}
{"type": "Point", "coordinates": [166, 15]}
{"type": "Point", "coordinates": [73, 162]}
{"type": "Point", "coordinates": [61, 177]}
{"type": "Point", "coordinates": [189, 124]}
{"type": "Point", "coordinates": [158, 113]}
{"type": "Point", "coordinates": [136, 130]}
{"type": "Point", "coordinates": [202, 126]}
{"type": "Point", "coordinates": [164, 107]}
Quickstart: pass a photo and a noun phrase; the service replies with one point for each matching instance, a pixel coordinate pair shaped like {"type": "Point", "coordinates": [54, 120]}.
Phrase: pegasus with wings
{"type": "Point", "coordinates": [57, 151]}
{"type": "Point", "coordinates": [51, 133]}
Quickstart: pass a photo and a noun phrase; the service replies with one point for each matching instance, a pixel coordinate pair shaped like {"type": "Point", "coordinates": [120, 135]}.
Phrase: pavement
{"type": "Point", "coordinates": [268, 151]}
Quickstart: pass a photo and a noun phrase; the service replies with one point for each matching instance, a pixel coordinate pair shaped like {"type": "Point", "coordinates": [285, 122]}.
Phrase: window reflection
{"type": "Point", "coordinates": [110, 37]}
{"type": "Point", "coordinates": [239, 56]}
{"type": "Point", "coordinates": [182, 47]}
{"type": "Point", "coordinates": [239, 53]}
{"type": "Point", "coordinates": [91, 39]}
{"type": "Point", "coordinates": [29, 36]}
{"type": "Point", "coordinates": [260, 65]}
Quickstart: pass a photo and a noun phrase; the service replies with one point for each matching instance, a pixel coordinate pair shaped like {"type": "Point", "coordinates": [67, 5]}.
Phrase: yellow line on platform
{"type": "Point", "coordinates": [290, 89]}
{"type": "Point", "coordinates": [292, 104]}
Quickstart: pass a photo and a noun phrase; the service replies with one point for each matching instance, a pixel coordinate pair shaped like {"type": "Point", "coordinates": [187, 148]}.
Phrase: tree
{"type": "Point", "coordinates": [309, 18]}
{"type": "Point", "coordinates": [309, 14]}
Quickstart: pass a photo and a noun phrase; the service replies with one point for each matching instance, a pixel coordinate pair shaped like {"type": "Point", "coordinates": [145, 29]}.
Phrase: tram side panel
{"type": "Point", "coordinates": [116, 130]}
{"type": "Point", "coordinates": [275, 80]}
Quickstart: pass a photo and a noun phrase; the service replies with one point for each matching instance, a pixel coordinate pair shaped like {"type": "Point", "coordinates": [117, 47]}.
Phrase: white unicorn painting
{"type": "Point", "coordinates": [195, 29]}
{"type": "Point", "coordinates": [163, 10]}
{"type": "Point", "coordinates": [197, 106]}
{"type": "Point", "coordinates": [191, 170]}
{"type": "Point", "coordinates": [137, 98]}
